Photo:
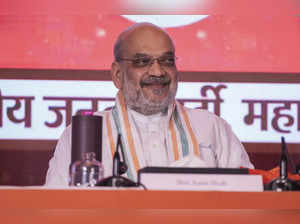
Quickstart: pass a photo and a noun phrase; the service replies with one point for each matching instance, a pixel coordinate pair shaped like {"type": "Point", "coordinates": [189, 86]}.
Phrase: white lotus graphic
{"type": "Point", "coordinates": [166, 21]}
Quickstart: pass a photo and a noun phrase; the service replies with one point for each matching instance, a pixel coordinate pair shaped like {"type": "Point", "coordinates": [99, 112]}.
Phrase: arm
{"type": "Point", "coordinates": [218, 145]}
{"type": "Point", "coordinates": [229, 150]}
{"type": "Point", "coordinates": [58, 171]}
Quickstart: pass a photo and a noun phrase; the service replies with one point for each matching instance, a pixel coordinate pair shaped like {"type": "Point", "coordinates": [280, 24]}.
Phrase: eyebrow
{"type": "Point", "coordinates": [141, 55]}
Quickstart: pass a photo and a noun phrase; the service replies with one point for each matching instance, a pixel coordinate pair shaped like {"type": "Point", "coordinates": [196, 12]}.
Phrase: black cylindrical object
{"type": "Point", "coordinates": [86, 136]}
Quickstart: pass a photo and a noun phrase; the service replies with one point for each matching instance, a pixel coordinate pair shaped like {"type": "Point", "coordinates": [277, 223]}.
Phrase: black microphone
{"type": "Point", "coordinates": [119, 168]}
{"type": "Point", "coordinates": [283, 160]}
{"type": "Point", "coordinates": [283, 183]}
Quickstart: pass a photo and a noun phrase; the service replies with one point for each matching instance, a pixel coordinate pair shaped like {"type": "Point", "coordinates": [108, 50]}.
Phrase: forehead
{"type": "Point", "coordinates": [147, 40]}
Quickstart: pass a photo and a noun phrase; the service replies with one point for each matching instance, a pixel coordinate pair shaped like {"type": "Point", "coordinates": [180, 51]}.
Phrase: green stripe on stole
{"type": "Point", "coordinates": [183, 138]}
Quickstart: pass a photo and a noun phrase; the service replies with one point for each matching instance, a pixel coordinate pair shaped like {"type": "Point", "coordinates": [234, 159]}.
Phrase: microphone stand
{"type": "Point", "coordinates": [119, 167]}
{"type": "Point", "coordinates": [283, 183]}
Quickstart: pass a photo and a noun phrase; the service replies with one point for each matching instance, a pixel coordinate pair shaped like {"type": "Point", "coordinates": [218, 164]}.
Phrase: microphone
{"type": "Point", "coordinates": [283, 183]}
{"type": "Point", "coordinates": [119, 168]}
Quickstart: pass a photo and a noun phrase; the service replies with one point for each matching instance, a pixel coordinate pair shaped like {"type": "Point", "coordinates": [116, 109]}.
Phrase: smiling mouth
{"type": "Point", "coordinates": [155, 82]}
{"type": "Point", "coordinates": [155, 85]}
{"type": "Point", "coordinates": [157, 89]}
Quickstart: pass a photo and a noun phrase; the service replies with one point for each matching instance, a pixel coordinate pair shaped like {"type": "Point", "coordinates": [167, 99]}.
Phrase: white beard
{"type": "Point", "coordinates": [136, 100]}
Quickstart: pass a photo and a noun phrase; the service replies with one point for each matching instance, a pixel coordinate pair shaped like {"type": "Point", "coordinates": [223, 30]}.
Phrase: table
{"type": "Point", "coordinates": [40, 205]}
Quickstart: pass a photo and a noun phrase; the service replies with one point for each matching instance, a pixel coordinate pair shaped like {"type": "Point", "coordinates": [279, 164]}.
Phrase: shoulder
{"type": "Point", "coordinates": [209, 127]}
{"type": "Point", "coordinates": [204, 117]}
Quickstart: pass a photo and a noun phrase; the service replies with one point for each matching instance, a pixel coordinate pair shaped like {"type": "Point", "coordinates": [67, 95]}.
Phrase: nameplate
{"type": "Point", "coordinates": [184, 179]}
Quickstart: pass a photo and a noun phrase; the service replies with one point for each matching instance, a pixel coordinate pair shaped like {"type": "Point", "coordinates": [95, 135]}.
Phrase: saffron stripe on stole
{"type": "Point", "coordinates": [109, 133]}
{"type": "Point", "coordinates": [128, 132]}
{"type": "Point", "coordinates": [183, 138]}
{"type": "Point", "coordinates": [117, 123]}
{"type": "Point", "coordinates": [174, 140]}
{"type": "Point", "coordinates": [190, 130]}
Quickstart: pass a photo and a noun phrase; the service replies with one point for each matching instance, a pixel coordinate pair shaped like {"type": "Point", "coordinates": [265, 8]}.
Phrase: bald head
{"type": "Point", "coordinates": [137, 34]}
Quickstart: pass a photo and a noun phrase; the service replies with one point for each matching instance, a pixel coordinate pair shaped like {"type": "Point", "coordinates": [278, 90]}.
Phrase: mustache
{"type": "Point", "coordinates": [155, 80]}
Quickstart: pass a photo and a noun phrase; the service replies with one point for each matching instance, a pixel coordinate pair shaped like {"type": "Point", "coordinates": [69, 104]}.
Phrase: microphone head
{"type": "Point", "coordinates": [283, 146]}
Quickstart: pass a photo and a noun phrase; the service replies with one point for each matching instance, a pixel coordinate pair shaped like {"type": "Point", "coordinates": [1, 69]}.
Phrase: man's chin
{"type": "Point", "coordinates": [149, 103]}
{"type": "Point", "coordinates": [157, 101]}
{"type": "Point", "coordinates": [152, 109]}
{"type": "Point", "coordinates": [155, 96]}
{"type": "Point", "coordinates": [150, 106]}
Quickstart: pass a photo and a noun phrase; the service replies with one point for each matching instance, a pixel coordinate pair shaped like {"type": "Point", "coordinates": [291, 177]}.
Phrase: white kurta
{"type": "Point", "coordinates": [218, 145]}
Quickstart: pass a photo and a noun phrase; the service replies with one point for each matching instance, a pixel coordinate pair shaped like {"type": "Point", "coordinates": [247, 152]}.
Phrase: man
{"type": "Point", "coordinates": [156, 130]}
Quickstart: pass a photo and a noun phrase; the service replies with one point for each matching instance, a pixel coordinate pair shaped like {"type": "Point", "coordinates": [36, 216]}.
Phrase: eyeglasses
{"type": "Point", "coordinates": [146, 61]}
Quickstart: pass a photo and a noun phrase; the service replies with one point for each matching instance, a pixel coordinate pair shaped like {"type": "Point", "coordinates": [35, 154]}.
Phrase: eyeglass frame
{"type": "Point", "coordinates": [151, 62]}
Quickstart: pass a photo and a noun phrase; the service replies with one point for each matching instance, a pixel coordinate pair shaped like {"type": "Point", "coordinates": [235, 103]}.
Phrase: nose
{"type": "Point", "coordinates": [155, 68]}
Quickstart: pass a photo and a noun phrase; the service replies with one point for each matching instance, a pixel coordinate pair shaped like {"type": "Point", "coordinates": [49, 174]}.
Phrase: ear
{"type": "Point", "coordinates": [116, 74]}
